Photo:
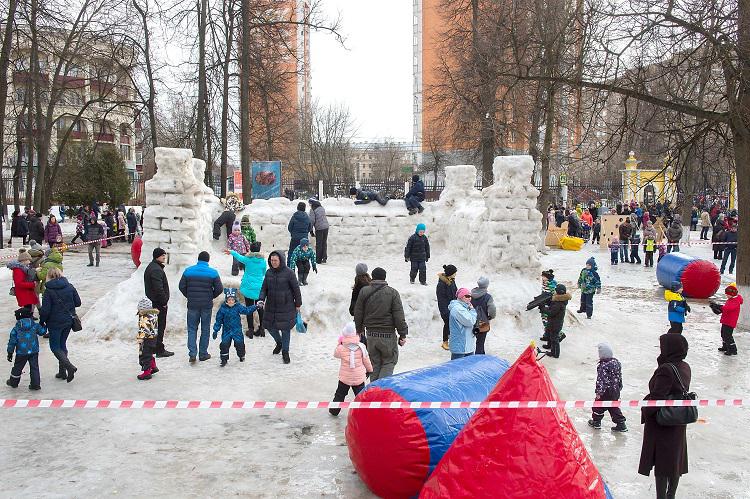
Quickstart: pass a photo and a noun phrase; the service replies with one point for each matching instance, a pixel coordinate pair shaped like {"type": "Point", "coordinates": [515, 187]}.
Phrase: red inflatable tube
{"type": "Point", "coordinates": [700, 279]}
{"type": "Point", "coordinates": [135, 251]}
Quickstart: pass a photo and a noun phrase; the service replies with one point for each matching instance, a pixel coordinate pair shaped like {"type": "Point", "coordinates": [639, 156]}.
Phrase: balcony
{"type": "Point", "coordinates": [105, 137]}
{"type": "Point", "coordinates": [124, 139]}
{"type": "Point", "coordinates": [62, 81]}
{"type": "Point", "coordinates": [77, 135]}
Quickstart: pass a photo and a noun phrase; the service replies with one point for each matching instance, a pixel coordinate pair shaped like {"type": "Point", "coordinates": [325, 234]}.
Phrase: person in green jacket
{"type": "Point", "coordinates": [252, 281]}
{"type": "Point", "coordinates": [247, 229]}
{"type": "Point", "coordinates": [53, 261]}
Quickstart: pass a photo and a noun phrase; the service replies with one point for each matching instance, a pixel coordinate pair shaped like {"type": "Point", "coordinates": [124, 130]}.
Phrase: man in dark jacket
{"type": "Point", "coordinates": [157, 290]}
{"type": "Point", "coordinates": [94, 235]}
{"type": "Point", "coordinates": [36, 228]}
{"type": "Point", "coordinates": [282, 300]}
{"type": "Point", "coordinates": [200, 284]}
{"type": "Point", "coordinates": [555, 310]}
{"type": "Point", "coordinates": [730, 249]}
{"type": "Point", "coordinates": [362, 196]}
{"type": "Point", "coordinates": [299, 226]}
{"type": "Point", "coordinates": [132, 224]}
{"type": "Point", "coordinates": [417, 252]}
{"type": "Point", "coordinates": [446, 292]}
{"type": "Point", "coordinates": [380, 314]}
{"type": "Point", "coordinates": [415, 196]}
{"type": "Point", "coordinates": [625, 231]}
{"type": "Point", "coordinates": [319, 222]}
{"type": "Point", "coordinates": [574, 225]}
{"type": "Point", "coordinates": [226, 219]}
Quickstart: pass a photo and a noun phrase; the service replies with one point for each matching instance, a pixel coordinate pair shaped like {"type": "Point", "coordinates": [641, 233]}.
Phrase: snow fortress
{"type": "Point", "coordinates": [494, 231]}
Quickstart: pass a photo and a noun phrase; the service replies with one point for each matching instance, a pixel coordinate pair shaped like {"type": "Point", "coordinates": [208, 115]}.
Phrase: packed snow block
{"type": "Point", "coordinates": [395, 450]}
{"type": "Point", "coordinates": [150, 222]}
{"type": "Point", "coordinates": [700, 278]}
{"type": "Point", "coordinates": [518, 453]}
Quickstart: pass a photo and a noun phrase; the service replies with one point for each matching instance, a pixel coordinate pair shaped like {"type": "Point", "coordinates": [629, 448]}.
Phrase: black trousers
{"type": "Point", "coordinates": [236, 267]}
{"type": "Point", "coordinates": [239, 346]}
{"type": "Point", "coordinates": [161, 325]}
{"type": "Point", "coordinates": [250, 320]}
{"type": "Point", "coordinates": [666, 486]}
{"type": "Point", "coordinates": [649, 259]}
{"type": "Point", "coordinates": [634, 256]}
{"type": "Point", "coordinates": [321, 245]}
{"type": "Point", "coordinates": [342, 391]}
{"type": "Point", "coordinates": [481, 337]}
{"type": "Point", "coordinates": [20, 363]}
{"type": "Point", "coordinates": [421, 267]}
{"type": "Point", "coordinates": [446, 326]}
{"type": "Point", "coordinates": [553, 338]}
{"type": "Point", "coordinates": [78, 236]}
{"type": "Point", "coordinates": [303, 270]}
{"type": "Point", "coordinates": [23, 239]}
{"type": "Point", "coordinates": [727, 339]}
{"type": "Point", "coordinates": [146, 351]}
{"type": "Point", "coordinates": [675, 327]}
{"type": "Point", "coordinates": [293, 243]}
{"type": "Point", "coordinates": [704, 232]}
{"type": "Point", "coordinates": [597, 413]}
{"type": "Point", "coordinates": [595, 238]}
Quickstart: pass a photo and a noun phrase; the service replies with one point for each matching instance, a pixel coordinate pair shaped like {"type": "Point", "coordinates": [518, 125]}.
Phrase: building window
{"type": "Point", "coordinates": [138, 157]}
{"type": "Point", "coordinates": [20, 94]}
{"type": "Point", "coordinates": [125, 152]}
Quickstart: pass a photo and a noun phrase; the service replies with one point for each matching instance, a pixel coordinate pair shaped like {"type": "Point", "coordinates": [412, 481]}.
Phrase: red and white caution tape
{"type": "Point", "coordinates": [66, 246]}
{"type": "Point", "coordinates": [254, 404]}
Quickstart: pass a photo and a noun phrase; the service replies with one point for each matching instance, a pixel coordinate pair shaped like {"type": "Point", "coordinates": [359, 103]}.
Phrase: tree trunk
{"type": "Point", "coordinates": [267, 125]}
{"type": "Point", "coordinates": [4, 63]}
{"type": "Point", "coordinates": [545, 197]}
{"type": "Point", "coordinates": [245, 153]}
{"type": "Point", "coordinates": [209, 180]}
{"type": "Point", "coordinates": [741, 136]}
{"type": "Point", "coordinates": [201, 112]}
{"type": "Point", "coordinates": [149, 75]}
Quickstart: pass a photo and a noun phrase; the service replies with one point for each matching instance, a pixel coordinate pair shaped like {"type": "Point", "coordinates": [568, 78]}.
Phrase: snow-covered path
{"type": "Point", "coordinates": [70, 452]}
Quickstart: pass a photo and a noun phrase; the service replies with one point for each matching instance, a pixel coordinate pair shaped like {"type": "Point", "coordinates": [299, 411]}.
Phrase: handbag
{"type": "Point", "coordinates": [301, 326]}
{"type": "Point", "coordinates": [12, 291]}
{"type": "Point", "coordinates": [76, 324]}
{"type": "Point", "coordinates": [483, 327]}
{"type": "Point", "coordinates": [678, 415]}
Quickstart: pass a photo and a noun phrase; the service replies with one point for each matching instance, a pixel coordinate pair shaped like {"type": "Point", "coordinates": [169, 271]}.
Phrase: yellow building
{"type": "Point", "coordinates": [647, 186]}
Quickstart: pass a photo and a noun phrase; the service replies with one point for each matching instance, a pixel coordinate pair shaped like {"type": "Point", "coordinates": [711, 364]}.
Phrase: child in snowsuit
{"type": "Point", "coordinates": [247, 229]}
{"type": "Point", "coordinates": [24, 342]}
{"type": "Point", "coordinates": [229, 318]}
{"type": "Point", "coordinates": [635, 243]}
{"type": "Point", "coordinates": [677, 308]}
{"type": "Point", "coordinates": [355, 365]}
{"type": "Point", "coordinates": [549, 284]}
{"type": "Point", "coordinates": [79, 230]}
{"type": "Point", "coordinates": [302, 257]}
{"type": "Point", "coordinates": [614, 249]}
{"type": "Point", "coordinates": [649, 246]}
{"type": "Point", "coordinates": [608, 386]}
{"type": "Point", "coordinates": [252, 281]}
{"type": "Point", "coordinates": [148, 317]}
{"type": "Point", "coordinates": [417, 252]}
{"type": "Point", "coordinates": [590, 284]}
{"type": "Point", "coordinates": [596, 231]}
{"type": "Point", "coordinates": [555, 318]}
{"type": "Point", "coordinates": [484, 304]}
{"type": "Point", "coordinates": [662, 251]}
{"type": "Point", "coordinates": [237, 242]}
{"type": "Point", "coordinates": [730, 313]}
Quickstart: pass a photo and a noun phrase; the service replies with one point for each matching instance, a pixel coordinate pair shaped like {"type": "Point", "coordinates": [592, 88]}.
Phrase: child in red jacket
{"type": "Point", "coordinates": [730, 313]}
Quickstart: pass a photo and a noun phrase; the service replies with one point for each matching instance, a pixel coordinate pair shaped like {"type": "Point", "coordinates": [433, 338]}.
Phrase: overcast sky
{"type": "Point", "coordinates": [372, 75]}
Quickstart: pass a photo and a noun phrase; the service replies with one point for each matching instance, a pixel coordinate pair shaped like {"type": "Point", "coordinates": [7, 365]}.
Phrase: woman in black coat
{"type": "Point", "coordinates": [665, 447]}
{"type": "Point", "coordinates": [282, 300]}
{"type": "Point", "coordinates": [19, 227]}
{"type": "Point", "coordinates": [58, 308]}
{"type": "Point", "coordinates": [445, 291]}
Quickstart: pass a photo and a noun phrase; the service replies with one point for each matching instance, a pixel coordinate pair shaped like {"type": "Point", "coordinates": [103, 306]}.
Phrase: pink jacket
{"type": "Point", "coordinates": [355, 363]}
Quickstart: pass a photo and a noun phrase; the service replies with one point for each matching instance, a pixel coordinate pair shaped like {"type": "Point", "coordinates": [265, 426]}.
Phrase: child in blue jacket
{"type": "Point", "coordinates": [678, 307]}
{"type": "Point", "coordinates": [302, 256]}
{"type": "Point", "coordinates": [24, 342]}
{"type": "Point", "coordinates": [228, 318]}
{"type": "Point", "coordinates": [590, 284]}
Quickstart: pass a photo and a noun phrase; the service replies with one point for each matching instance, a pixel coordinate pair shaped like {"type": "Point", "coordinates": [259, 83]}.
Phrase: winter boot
{"type": "Point", "coordinates": [242, 359]}
{"type": "Point", "coordinates": [249, 334]}
{"type": "Point", "coordinates": [597, 425]}
{"type": "Point", "coordinates": [420, 209]}
{"type": "Point", "coordinates": [223, 361]}
{"type": "Point", "coordinates": [35, 387]}
{"type": "Point", "coordinates": [260, 332]}
{"type": "Point", "coordinates": [61, 372]}
{"type": "Point", "coordinates": [285, 356]}
{"type": "Point", "coordinates": [412, 211]}
{"type": "Point", "coordinates": [731, 349]}
{"type": "Point", "coordinates": [620, 427]}
{"type": "Point", "coordinates": [62, 358]}
{"type": "Point", "coordinates": [192, 359]}
{"type": "Point", "coordinates": [13, 381]}
{"type": "Point", "coordinates": [445, 345]}
{"type": "Point", "coordinates": [277, 349]}
{"type": "Point", "coordinates": [146, 374]}
{"type": "Point", "coordinates": [203, 359]}
{"type": "Point", "coordinates": [154, 369]}
{"type": "Point", "coordinates": [723, 347]}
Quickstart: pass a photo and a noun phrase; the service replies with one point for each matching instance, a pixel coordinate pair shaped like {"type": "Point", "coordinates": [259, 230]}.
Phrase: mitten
{"type": "Point", "coordinates": [598, 291]}
{"type": "Point", "coordinates": [216, 333]}
{"type": "Point", "coordinates": [315, 270]}
{"type": "Point", "coordinates": [10, 356]}
{"type": "Point", "coordinates": [406, 259]}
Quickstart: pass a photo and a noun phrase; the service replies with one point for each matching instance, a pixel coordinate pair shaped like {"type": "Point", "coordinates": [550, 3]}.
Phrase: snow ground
{"type": "Point", "coordinates": [73, 452]}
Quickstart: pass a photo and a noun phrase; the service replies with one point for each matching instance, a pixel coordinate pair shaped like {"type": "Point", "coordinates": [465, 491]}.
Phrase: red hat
{"type": "Point", "coordinates": [732, 290]}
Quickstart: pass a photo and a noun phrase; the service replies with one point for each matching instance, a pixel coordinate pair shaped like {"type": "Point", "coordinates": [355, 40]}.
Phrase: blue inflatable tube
{"type": "Point", "coordinates": [699, 278]}
{"type": "Point", "coordinates": [671, 267]}
{"type": "Point", "coordinates": [394, 451]}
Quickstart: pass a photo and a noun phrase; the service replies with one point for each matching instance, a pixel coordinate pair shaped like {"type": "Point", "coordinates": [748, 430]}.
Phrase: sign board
{"type": "Point", "coordinates": [238, 183]}
{"type": "Point", "coordinates": [563, 179]}
{"type": "Point", "coordinates": [266, 179]}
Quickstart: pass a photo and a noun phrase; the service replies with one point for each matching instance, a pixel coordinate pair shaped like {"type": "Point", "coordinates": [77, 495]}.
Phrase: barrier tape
{"type": "Point", "coordinates": [68, 246]}
{"type": "Point", "coordinates": [252, 404]}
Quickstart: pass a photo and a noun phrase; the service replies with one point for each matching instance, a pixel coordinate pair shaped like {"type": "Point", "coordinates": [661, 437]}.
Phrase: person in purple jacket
{"type": "Point", "coordinates": [53, 232]}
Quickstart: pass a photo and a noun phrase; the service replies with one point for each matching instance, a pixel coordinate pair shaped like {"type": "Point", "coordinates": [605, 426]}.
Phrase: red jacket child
{"type": "Point", "coordinates": [730, 311]}
{"type": "Point", "coordinates": [24, 287]}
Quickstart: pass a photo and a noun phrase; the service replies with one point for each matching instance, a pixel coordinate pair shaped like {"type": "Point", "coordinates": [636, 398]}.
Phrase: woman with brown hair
{"type": "Point", "coordinates": [361, 280]}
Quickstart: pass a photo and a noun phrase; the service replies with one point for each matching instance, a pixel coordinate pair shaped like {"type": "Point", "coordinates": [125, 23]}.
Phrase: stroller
{"type": "Point", "coordinates": [585, 231]}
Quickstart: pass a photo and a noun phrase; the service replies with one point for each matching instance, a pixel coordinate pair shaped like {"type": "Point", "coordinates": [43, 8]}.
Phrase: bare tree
{"type": "Point", "coordinates": [327, 140]}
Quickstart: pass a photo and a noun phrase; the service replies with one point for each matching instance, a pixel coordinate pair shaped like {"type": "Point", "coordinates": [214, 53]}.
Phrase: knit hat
{"type": "Point", "coordinates": [549, 274]}
{"type": "Point", "coordinates": [732, 290]}
{"type": "Point", "coordinates": [349, 330]}
{"type": "Point", "coordinates": [591, 261]}
{"type": "Point", "coordinates": [361, 269]}
{"type": "Point", "coordinates": [203, 256]}
{"type": "Point", "coordinates": [676, 286]}
{"type": "Point", "coordinates": [561, 289]}
{"type": "Point", "coordinates": [236, 225]}
{"type": "Point", "coordinates": [421, 227]}
{"type": "Point", "coordinates": [462, 292]}
{"type": "Point", "coordinates": [450, 270]}
{"type": "Point", "coordinates": [301, 206]}
{"type": "Point", "coordinates": [245, 219]}
{"type": "Point", "coordinates": [255, 247]}
{"type": "Point", "coordinates": [145, 304]}
{"type": "Point", "coordinates": [353, 191]}
{"type": "Point", "coordinates": [23, 256]}
{"type": "Point", "coordinates": [24, 313]}
{"type": "Point", "coordinates": [605, 351]}
{"type": "Point", "coordinates": [415, 178]}
{"type": "Point", "coordinates": [378, 274]}
{"type": "Point", "coordinates": [158, 252]}
{"type": "Point", "coordinates": [230, 293]}
{"type": "Point", "coordinates": [483, 282]}
{"type": "Point", "coordinates": [304, 241]}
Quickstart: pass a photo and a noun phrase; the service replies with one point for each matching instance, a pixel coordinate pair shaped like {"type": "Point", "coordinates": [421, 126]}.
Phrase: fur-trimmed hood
{"type": "Point", "coordinates": [446, 279]}
{"type": "Point", "coordinates": [562, 297]}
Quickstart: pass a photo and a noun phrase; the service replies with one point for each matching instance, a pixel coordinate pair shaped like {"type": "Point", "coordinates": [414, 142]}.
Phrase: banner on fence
{"type": "Point", "coordinates": [266, 179]}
